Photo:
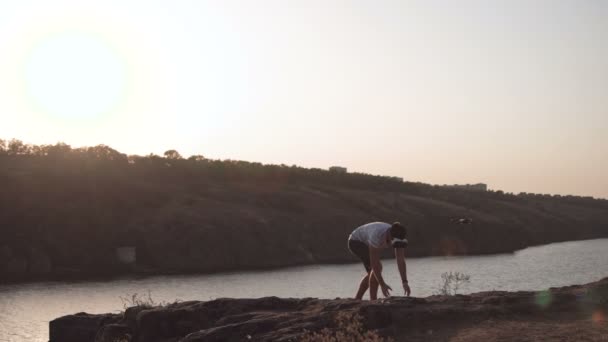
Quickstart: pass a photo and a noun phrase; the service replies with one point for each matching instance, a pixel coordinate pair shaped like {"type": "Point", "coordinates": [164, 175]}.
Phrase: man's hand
{"type": "Point", "coordinates": [386, 290]}
{"type": "Point", "coordinates": [406, 288]}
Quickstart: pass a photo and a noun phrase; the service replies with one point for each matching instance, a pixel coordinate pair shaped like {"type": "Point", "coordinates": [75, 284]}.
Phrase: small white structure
{"type": "Point", "coordinates": [479, 187]}
{"type": "Point", "coordinates": [338, 169]}
{"type": "Point", "coordinates": [126, 255]}
{"type": "Point", "coordinates": [470, 187]}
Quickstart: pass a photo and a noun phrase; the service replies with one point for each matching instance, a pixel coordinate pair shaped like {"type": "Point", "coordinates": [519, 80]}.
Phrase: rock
{"type": "Point", "coordinates": [253, 328]}
{"type": "Point", "coordinates": [81, 327]}
{"type": "Point", "coordinates": [114, 333]}
{"type": "Point", "coordinates": [564, 313]}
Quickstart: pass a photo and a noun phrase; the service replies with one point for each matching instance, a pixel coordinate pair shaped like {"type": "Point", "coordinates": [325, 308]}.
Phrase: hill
{"type": "Point", "coordinates": [65, 211]}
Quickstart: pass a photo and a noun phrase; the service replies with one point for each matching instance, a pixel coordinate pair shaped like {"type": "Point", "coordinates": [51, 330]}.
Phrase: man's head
{"type": "Point", "coordinates": [398, 233]}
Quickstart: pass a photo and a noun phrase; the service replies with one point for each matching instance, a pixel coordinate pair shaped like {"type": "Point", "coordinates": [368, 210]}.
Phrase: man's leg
{"type": "Point", "coordinates": [361, 251]}
{"type": "Point", "coordinates": [363, 287]}
{"type": "Point", "coordinates": [373, 286]}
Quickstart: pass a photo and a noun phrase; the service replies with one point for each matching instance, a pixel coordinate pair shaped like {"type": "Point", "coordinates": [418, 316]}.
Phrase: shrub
{"type": "Point", "coordinates": [349, 329]}
{"type": "Point", "coordinates": [451, 282]}
{"type": "Point", "coordinates": [142, 300]}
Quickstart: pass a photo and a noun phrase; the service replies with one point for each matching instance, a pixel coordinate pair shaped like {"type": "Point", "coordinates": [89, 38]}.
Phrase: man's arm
{"type": "Point", "coordinates": [374, 258]}
{"type": "Point", "coordinates": [400, 256]}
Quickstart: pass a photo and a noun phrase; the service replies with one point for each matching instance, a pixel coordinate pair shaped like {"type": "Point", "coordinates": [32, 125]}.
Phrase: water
{"type": "Point", "coordinates": [25, 310]}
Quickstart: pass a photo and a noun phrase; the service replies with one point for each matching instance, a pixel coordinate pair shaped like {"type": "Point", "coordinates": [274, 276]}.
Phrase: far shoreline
{"type": "Point", "coordinates": [84, 277]}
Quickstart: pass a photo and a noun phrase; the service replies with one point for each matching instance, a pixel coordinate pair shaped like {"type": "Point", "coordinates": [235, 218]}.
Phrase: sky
{"type": "Point", "coordinates": [510, 93]}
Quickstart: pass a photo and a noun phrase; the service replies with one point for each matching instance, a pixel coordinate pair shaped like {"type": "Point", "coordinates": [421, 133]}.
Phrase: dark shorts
{"type": "Point", "coordinates": [361, 251]}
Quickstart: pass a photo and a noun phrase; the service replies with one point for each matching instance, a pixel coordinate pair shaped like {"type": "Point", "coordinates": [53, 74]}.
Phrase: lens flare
{"type": "Point", "coordinates": [598, 317]}
{"type": "Point", "coordinates": [543, 298]}
{"type": "Point", "coordinates": [74, 76]}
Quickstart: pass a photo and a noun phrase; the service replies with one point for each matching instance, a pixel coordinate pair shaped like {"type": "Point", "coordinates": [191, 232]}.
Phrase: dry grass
{"type": "Point", "coordinates": [123, 339]}
{"type": "Point", "coordinates": [136, 299]}
{"type": "Point", "coordinates": [349, 329]}
{"type": "Point", "coordinates": [144, 300]}
{"type": "Point", "coordinates": [451, 282]}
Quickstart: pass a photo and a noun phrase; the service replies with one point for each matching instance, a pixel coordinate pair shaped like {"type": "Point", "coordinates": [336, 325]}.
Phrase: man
{"type": "Point", "coordinates": [367, 242]}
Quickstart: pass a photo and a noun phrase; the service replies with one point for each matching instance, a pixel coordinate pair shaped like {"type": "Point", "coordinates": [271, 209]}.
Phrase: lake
{"type": "Point", "coordinates": [26, 309]}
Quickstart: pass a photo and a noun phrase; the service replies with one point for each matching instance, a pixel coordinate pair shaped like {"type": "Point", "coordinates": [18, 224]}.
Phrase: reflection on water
{"type": "Point", "coordinates": [25, 310]}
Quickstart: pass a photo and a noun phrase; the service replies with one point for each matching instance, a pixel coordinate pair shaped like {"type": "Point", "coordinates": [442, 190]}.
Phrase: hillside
{"type": "Point", "coordinates": [65, 211]}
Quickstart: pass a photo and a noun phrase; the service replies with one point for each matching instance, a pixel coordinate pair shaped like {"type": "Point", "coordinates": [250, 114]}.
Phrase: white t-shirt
{"type": "Point", "coordinates": [372, 234]}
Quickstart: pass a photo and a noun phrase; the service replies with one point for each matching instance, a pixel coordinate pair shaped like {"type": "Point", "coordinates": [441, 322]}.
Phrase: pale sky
{"type": "Point", "coordinates": [510, 93]}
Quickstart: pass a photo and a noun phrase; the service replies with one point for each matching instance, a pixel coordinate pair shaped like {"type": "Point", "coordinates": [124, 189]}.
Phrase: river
{"type": "Point", "coordinates": [26, 309]}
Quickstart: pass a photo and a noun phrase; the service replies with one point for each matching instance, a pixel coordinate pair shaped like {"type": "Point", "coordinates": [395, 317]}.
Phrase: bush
{"type": "Point", "coordinates": [349, 329]}
{"type": "Point", "coordinates": [451, 282]}
{"type": "Point", "coordinates": [141, 300]}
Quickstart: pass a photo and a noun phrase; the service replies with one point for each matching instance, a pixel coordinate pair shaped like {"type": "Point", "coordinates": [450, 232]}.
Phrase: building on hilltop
{"type": "Point", "coordinates": [338, 169]}
{"type": "Point", "coordinates": [470, 187]}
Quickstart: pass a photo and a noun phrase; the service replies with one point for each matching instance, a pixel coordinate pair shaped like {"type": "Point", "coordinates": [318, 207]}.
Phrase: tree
{"type": "Point", "coordinates": [103, 152]}
{"type": "Point", "coordinates": [59, 149]}
{"type": "Point", "coordinates": [196, 157]}
{"type": "Point", "coordinates": [17, 147]}
{"type": "Point", "coordinates": [172, 154]}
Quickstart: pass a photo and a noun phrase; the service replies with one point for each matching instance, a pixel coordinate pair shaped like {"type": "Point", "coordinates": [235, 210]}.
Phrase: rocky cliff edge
{"type": "Point", "coordinates": [573, 313]}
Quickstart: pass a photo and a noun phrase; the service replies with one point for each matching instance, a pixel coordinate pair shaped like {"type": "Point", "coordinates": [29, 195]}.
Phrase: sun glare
{"type": "Point", "coordinates": [74, 77]}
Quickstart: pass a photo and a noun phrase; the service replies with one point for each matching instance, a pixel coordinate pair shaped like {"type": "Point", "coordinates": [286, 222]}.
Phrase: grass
{"type": "Point", "coordinates": [143, 300]}
{"type": "Point", "coordinates": [349, 329]}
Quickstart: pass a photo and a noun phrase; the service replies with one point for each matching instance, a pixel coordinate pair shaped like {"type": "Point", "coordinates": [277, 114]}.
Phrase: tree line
{"type": "Point", "coordinates": [172, 162]}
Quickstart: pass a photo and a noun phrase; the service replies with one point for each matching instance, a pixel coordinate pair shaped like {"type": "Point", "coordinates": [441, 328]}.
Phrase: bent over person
{"type": "Point", "coordinates": [367, 242]}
